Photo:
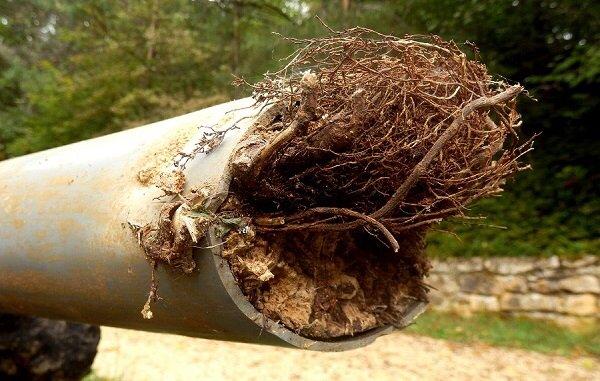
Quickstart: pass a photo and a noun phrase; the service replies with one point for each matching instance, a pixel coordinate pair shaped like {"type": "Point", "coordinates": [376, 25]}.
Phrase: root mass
{"type": "Point", "coordinates": [369, 141]}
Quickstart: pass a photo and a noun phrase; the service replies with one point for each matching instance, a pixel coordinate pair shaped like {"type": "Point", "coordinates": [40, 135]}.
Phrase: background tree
{"type": "Point", "coordinates": [552, 47]}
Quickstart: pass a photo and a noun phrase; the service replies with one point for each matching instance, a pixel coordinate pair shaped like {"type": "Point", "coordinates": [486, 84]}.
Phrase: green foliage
{"type": "Point", "coordinates": [118, 66]}
{"type": "Point", "coordinates": [513, 332]}
{"type": "Point", "coordinates": [74, 70]}
{"type": "Point", "coordinates": [539, 216]}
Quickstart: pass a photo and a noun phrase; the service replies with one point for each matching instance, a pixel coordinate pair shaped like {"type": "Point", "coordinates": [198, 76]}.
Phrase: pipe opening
{"type": "Point", "coordinates": [327, 285]}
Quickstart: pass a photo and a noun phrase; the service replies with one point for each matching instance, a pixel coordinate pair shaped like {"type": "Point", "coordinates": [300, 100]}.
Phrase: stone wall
{"type": "Point", "coordinates": [566, 291]}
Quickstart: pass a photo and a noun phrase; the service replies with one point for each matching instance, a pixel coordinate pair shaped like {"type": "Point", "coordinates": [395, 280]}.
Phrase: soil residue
{"type": "Point", "coordinates": [157, 166]}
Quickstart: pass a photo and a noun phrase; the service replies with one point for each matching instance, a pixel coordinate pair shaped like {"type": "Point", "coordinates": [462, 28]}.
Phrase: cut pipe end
{"type": "Point", "coordinates": [271, 329]}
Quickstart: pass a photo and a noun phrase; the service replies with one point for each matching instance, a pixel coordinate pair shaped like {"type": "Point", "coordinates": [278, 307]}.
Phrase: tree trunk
{"type": "Point", "coordinates": [236, 40]}
{"type": "Point", "coordinates": [151, 34]}
{"type": "Point", "coordinates": [345, 5]}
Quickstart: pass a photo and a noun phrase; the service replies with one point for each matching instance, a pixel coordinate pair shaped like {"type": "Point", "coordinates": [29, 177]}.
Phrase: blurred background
{"type": "Point", "coordinates": [72, 70]}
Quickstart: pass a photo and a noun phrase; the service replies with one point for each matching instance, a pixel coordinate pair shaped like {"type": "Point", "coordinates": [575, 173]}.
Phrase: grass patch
{"type": "Point", "coordinates": [513, 332]}
{"type": "Point", "coordinates": [93, 377]}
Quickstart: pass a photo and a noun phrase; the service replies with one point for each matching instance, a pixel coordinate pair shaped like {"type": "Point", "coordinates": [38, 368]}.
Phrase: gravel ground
{"type": "Point", "coordinates": [133, 355]}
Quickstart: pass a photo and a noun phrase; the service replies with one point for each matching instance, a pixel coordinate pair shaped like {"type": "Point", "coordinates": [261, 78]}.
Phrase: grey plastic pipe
{"type": "Point", "coordinates": [67, 250]}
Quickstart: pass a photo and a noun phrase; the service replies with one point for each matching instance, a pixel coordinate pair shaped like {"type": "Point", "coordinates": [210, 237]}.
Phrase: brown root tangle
{"type": "Point", "coordinates": [391, 133]}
